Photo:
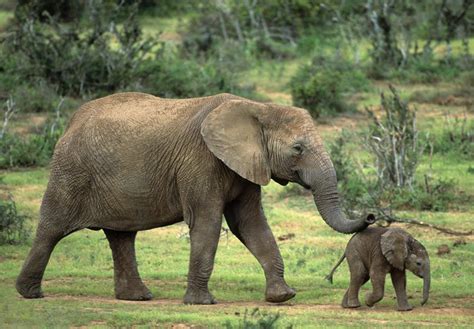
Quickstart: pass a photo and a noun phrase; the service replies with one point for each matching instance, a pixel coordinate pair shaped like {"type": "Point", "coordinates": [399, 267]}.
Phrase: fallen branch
{"type": "Point", "coordinates": [394, 219]}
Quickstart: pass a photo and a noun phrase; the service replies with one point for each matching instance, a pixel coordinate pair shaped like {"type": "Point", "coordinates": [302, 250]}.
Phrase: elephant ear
{"type": "Point", "coordinates": [394, 247]}
{"type": "Point", "coordinates": [233, 133]}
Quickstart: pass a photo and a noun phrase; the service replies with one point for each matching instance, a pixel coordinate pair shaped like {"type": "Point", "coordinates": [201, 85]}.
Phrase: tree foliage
{"type": "Point", "coordinates": [96, 52]}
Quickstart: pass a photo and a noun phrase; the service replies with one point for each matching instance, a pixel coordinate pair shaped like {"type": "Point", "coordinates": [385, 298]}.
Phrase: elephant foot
{"type": "Point", "coordinates": [405, 308]}
{"type": "Point", "coordinates": [198, 297]}
{"type": "Point", "coordinates": [279, 293]}
{"type": "Point", "coordinates": [140, 293]}
{"type": "Point", "coordinates": [351, 305]}
{"type": "Point", "coordinates": [29, 289]}
{"type": "Point", "coordinates": [371, 299]}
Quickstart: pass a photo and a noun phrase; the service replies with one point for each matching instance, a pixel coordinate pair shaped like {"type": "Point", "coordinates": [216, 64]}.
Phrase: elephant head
{"type": "Point", "coordinates": [268, 141]}
{"type": "Point", "coordinates": [402, 251]}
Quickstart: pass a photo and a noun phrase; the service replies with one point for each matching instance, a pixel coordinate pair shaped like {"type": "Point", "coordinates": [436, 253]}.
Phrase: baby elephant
{"type": "Point", "coordinates": [377, 251]}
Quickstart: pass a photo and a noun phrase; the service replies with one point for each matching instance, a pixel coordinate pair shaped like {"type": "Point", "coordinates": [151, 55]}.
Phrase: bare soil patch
{"type": "Point", "coordinates": [288, 308]}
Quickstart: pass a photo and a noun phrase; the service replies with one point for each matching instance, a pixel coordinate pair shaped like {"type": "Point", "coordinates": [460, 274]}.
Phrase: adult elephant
{"type": "Point", "coordinates": [132, 161]}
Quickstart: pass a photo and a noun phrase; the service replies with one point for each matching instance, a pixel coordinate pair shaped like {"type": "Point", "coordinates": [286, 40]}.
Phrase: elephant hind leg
{"type": "Point", "coordinates": [359, 276]}
{"type": "Point", "coordinates": [28, 283]}
{"type": "Point", "coordinates": [128, 284]}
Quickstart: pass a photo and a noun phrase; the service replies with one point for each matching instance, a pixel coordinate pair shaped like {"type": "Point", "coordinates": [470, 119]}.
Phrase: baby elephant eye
{"type": "Point", "coordinates": [418, 263]}
{"type": "Point", "coordinates": [298, 149]}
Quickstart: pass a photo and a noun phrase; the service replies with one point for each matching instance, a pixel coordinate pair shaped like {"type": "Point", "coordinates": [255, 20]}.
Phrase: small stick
{"type": "Point", "coordinates": [391, 219]}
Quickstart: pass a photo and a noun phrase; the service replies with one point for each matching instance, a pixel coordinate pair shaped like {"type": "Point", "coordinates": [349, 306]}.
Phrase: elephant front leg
{"type": "Point", "coordinates": [128, 284]}
{"type": "Point", "coordinates": [377, 279]}
{"type": "Point", "coordinates": [399, 281]}
{"type": "Point", "coordinates": [204, 234]}
{"type": "Point", "coordinates": [246, 220]}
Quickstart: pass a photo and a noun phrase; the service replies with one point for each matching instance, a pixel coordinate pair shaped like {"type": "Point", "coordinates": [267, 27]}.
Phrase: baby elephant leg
{"type": "Point", "coordinates": [399, 281]}
{"type": "Point", "coordinates": [359, 276]}
{"type": "Point", "coordinates": [128, 284]}
{"type": "Point", "coordinates": [377, 279]}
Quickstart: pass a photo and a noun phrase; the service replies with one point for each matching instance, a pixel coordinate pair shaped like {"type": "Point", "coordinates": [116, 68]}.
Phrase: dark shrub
{"type": "Point", "coordinates": [456, 136]}
{"type": "Point", "coordinates": [12, 224]}
{"type": "Point", "coordinates": [38, 98]}
{"type": "Point", "coordinates": [395, 142]}
{"type": "Point", "coordinates": [417, 70]}
{"type": "Point", "coordinates": [320, 86]}
{"type": "Point", "coordinates": [383, 177]}
{"type": "Point", "coordinates": [182, 78]}
{"type": "Point", "coordinates": [29, 151]}
{"type": "Point", "coordinates": [97, 52]}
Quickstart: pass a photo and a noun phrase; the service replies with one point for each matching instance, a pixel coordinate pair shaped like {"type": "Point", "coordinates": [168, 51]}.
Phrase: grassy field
{"type": "Point", "coordinates": [78, 283]}
{"type": "Point", "coordinates": [79, 279]}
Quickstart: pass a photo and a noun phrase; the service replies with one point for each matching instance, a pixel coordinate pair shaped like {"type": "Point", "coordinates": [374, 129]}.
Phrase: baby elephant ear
{"type": "Point", "coordinates": [394, 247]}
{"type": "Point", "coordinates": [234, 134]}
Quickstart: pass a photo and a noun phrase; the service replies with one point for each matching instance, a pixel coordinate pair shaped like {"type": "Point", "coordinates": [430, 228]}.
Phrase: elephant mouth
{"type": "Point", "coordinates": [300, 181]}
{"type": "Point", "coordinates": [280, 181]}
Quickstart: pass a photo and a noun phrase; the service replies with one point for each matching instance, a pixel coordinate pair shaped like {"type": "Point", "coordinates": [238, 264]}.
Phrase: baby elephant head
{"type": "Point", "coordinates": [402, 251]}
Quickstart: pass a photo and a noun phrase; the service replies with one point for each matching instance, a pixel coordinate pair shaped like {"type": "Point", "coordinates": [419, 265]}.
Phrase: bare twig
{"type": "Point", "coordinates": [57, 119]}
{"type": "Point", "coordinates": [394, 219]}
{"type": "Point", "coordinates": [9, 111]}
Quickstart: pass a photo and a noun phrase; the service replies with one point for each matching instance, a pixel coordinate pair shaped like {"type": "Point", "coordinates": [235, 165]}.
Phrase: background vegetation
{"type": "Point", "coordinates": [405, 154]}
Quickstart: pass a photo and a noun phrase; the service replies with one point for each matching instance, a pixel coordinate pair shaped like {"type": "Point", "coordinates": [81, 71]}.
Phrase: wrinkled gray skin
{"type": "Point", "coordinates": [132, 161]}
{"type": "Point", "coordinates": [377, 251]}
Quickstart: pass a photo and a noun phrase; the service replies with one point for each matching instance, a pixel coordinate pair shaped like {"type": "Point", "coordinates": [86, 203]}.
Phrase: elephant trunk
{"type": "Point", "coordinates": [426, 285]}
{"type": "Point", "coordinates": [323, 183]}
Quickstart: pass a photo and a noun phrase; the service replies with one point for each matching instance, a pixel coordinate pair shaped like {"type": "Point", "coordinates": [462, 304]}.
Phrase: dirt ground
{"type": "Point", "coordinates": [287, 308]}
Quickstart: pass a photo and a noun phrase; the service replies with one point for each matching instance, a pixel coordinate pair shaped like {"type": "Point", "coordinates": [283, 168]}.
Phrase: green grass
{"type": "Point", "coordinates": [4, 18]}
{"type": "Point", "coordinates": [78, 282]}
{"type": "Point", "coordinates": [79, 278]}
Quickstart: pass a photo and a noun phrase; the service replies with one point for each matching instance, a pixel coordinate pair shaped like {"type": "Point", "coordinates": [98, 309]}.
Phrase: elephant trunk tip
{"type": "Point", "coordinates": [370, 219]}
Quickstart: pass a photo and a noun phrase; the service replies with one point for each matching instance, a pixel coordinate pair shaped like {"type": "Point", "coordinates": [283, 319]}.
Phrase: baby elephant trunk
{"type": "Point", "coordinates": [426, 286]}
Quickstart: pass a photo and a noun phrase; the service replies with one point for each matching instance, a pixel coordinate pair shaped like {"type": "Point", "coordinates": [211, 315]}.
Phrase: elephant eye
{"type": "Point", "coordinates": [418, 263]}
{"type": "Point", "coordinates": [298, 148]}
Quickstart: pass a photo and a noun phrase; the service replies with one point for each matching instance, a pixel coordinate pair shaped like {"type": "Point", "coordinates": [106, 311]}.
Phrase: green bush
{"type": "Point", "coordinates": [319, 93]}
{"type": "Point", "coordinates": [427, 71]}
{"type": "Point", "coordinates": [65, 10]}
{"type": "Point", "coordinates": [361, 191]}
{"type": "Point", "coordinates": [418, 70]}
{"type": "Point", "coordinates": [456, 136]}
{"type": "Point", "coordinates": [96, 53]}
{"type": "Point", "coordinates": [434, 195]}
{"type": "Point", "coordinates": [320, 87]}
{"type": "Point", "coordinates": [395, 142]}
{"type": "Point", "coordinates": [12, 224]}
{"type": "Point", "coordinates": [30, 150]}
{"type": "Point", "coordinates": [182, 78]}
{"type": "Point", "coordinates": [380, 177]}
{"type": "Point", "coordinates": [39, 98]}
{"type": "Point", "coordinates": [271, 28]}
{"type": "Point", "coordinates": [9, 77]}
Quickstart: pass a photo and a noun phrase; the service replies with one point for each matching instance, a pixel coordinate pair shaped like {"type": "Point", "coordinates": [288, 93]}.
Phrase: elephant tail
{"type": "Point", "coordinates": [331, 274]}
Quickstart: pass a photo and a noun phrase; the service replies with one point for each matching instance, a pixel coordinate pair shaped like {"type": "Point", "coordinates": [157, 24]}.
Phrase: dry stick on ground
{"type": "Point", "coordinates": [389, 217]}
{"type": "Point", "coordinates": [395, 219]}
